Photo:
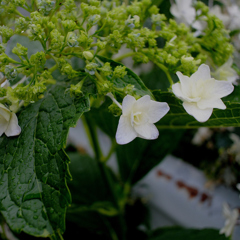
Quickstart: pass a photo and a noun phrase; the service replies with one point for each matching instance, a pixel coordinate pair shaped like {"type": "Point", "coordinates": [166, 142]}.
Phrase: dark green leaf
{"type": "Point", "coordinates": [93, 209]}
{"type": "Point", "coordinates": [178, 118]}
{"type": "Point", "coordinates": [129, 78]}
{"type": "Point", "coordinates": [34, 167]}
{"type": "Point", "coordinates": [137, 158]}
{"type": "Point", "coordinates": [178, 233]}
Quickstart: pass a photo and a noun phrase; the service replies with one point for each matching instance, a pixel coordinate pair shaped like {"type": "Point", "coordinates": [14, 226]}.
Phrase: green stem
{"type": "Point", "coordinates": [92, 135]}
{"type": "Point", "coordinates": [99, 77]}
{"type": "Point", "coordinates": [129, 54]}
{"type": "Point", "coordinates": [52, 69]}
{"type": "Point", "coordinates": [18, 13]}
{"type": "Point", "coordinates": [162, 67]}
{"type": "Point", "coordinates": [111, 151]}
{"type": "Point", "coordinates": [91, 132]}
{"type": "Point", "coordinates": [3, 234]}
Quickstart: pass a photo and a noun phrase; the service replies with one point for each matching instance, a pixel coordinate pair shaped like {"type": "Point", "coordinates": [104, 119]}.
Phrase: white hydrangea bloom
{"type": "Point", "coordinates": [217, 11]}
{"type": "Point", "coordinates": [183, 11]}
{"type": "Point", "coordinates": [234, 13]}
{"type": "Point", "coordinates": [8, 122]}
{"type": "Point", "coordinates": [226, 72]}
{"type": "Point", "coordinates": [202, 134]}
{"type": "Point", "coordinates": [231, 220]}
{"type": "Point", "coordinates": [200, 93]}
{"type": "Point", "coordinates": [138, 118]}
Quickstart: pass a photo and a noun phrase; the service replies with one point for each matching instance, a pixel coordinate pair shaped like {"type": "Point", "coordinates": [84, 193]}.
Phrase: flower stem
{"type": "Point", "coordinates": [129, 54]}
{"type": "Point", "coordinates": [162, 67]}
{"type": "Point", "coordinates": [111, 151]}
{"type": "Point", "coordinates": [114, 100]}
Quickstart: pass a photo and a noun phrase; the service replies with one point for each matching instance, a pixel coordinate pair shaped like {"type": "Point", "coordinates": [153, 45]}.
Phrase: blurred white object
{"type": "Point", "coordinates": [176, 194]}
{"type": "Point", "coordinates": [231, 219]}
{"type": "Point", "coordinates": [202, 134]}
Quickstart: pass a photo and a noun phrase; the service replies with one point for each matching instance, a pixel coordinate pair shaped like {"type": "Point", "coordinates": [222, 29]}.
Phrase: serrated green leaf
{"type": "Point", "coordinates": [178, 118]}
{"type": "Point", "coordinates": [129, 78]}
{"type": "Point", "coordinates": [173, 233]}
{"type": "Point", "coordinates": [34, 167]}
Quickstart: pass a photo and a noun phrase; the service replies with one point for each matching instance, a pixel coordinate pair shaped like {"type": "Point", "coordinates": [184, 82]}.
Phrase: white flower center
{"type": "Point", "coordinates": [138, 118]}
{"type": "Point", "coordinates": [201, 90]}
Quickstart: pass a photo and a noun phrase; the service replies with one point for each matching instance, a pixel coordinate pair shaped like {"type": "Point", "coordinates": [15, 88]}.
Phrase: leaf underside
{"type": "Point", "coordinates": [34, 167]}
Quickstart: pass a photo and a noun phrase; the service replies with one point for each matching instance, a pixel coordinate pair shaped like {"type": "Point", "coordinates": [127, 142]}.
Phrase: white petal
{"type": "Point", "coordinates": [13, 128]}
{"type": "Point", "coordinates": [4, 112]}
{"type": "Point", "coordinates": [147, 131]}
{"type": "Point", "coordinates": [3, 125]}
{"type": "Point", "coordinates": [201, 115]}
{"type": "Point", "coordinates": [177, 90]}
{"type": "Point", "coordinates": [186, 84]}
{"type": "Point", "coordinates": [203, 73]}
{"type": "Point", "coordinates": [222, 88]}
{"type": "Point", "coordinates": [125, 132]}
{"type": "Point", "coordinates": [157, 110]}
{"type": "Point", "coordinates": [142, 104]}
{"type": "Point", "coordinates": [208, 103]}
{"type": "Point", "coordinates": [127, 104]}
{"type": "Point", "coordinates": [175, 11]}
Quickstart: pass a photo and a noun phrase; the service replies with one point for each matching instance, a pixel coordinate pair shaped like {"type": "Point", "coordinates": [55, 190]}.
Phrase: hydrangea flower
{"type": "Point", "coordinates": [200, 93]}
{"type": "Point", "coordinates": [231, 220]}
{"type": "Point", "coordinates": [226, 72]}
{"type": "Point", "coordinates": [183, 11]}
{"type": "Point", "coordinates": [8, 122]}
{"type": "Point", "coordinates": [138, 118]}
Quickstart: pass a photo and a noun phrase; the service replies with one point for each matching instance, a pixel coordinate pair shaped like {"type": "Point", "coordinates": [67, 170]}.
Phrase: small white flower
{"type": "Point", "coordinates": [217, 11]}
{"type": "Point", "coordinates": [226, 72]}
{"type": "Point", "coordinates": [231, 220]}
{"type": "Point", "coordinates": [8, 122]}
{"type": "Point", "coordinates": [183, 11]}
{"type": "Point", "coordinates": [202, 135]}
{"type": "Point", "coordinates": [138, 118]}
{"type": "Point", "coordinates": [234, 13]}
{"type": "Point", "coordinates": [200, 93]}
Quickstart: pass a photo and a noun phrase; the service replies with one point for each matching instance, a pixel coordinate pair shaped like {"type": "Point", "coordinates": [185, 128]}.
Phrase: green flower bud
{"type": "Point", "coordinates": [36, 32]}
{"type": "Point", "coordinates": [93, 20]}
{"type": "Point", "coordinates": [153, 10]}
{"type": "Point", "coordinates": [119, 72]}
{"type": "Point", "coordinates": [91, 68]}
{"type": "Point", "coordinates": [88, 55]}
{"type": "Point", "coordinates": [51, 25]}
{"type": "Point", "coordinates": [72, 39]}
{"type": "Point", "coordinates": [21, 24]}
{"type": "Point", "coordinates": [20, 50]}
{"type": "Point", "coordinates": [10, 72]}
{"type": "Point", "coordinates": [56, 39]}
{"type": "Point", "coordinates": [70, 25]}
{"type": "Point", "coordinates": [2, 48]}
{"type": "Point", "coordinates": [106, 69]}
{"type": "Point", "coordinates": [6, 33]}
{"type": "Point", "coordinates": [45, 6]}
{"type": "Point", "coordinates": [38, 59]}
{"type": "Point", "coordinates": [115, 110]}
{"type": "Point", "coordinates": [3, 92]}
{"type": "Point", "coordinates": [95, 3]}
